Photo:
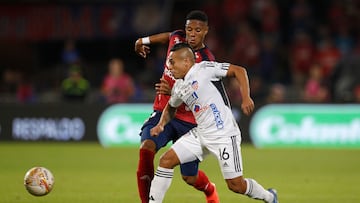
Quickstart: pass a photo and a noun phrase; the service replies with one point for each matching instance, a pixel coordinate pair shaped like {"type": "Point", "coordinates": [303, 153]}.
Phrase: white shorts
{"type": "Point", "coordinates": [227, 150]}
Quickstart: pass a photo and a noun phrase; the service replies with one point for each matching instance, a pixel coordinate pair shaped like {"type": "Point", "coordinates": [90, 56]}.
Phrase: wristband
{"type": "Point", "coordinates": [145, 40]}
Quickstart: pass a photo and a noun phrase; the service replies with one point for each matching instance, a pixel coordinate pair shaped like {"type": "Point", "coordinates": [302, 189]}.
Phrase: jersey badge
{"type": "Point", "coordinates": [176, 40]}
{"type": "Point", "coordinates": [198, 108]}
{"type": "Point", "coordinates": [197, 55]}
{"type": "Point", "coordinates": [195, 85]}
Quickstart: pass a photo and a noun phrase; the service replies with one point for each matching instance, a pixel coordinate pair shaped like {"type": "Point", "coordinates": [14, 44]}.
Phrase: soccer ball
{"type": "Point", "coordinates": [39, 181]}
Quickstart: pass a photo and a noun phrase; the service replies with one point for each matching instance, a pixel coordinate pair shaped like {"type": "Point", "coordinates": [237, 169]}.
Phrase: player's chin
{"type": "Point", "coordinates": [192, 43]}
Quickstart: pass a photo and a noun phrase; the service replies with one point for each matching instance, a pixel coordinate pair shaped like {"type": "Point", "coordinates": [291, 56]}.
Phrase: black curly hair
{"type": "Point", "coordinates": [197, 15]}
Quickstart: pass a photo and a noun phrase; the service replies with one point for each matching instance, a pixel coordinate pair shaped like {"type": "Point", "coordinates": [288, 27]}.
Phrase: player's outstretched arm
{"type": "Point", "coordinates": [167, 114]}
{"type": "Point", "coordinates": [241, 76]}
{"type": "Point", "coordinates": [142, 44]}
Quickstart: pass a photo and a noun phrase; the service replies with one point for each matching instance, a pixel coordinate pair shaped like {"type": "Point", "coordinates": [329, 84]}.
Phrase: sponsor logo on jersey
{"type": "Point", "coordinates": [219, 122]}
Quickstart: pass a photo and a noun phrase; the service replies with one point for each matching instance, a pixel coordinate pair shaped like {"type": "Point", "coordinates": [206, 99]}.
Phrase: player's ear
{"type": "Point", "coordinates": [206, 30]}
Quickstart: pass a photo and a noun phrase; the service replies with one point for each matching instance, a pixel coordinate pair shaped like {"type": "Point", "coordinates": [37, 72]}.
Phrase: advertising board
{"type": "Point", "coordinates": [306, 125]}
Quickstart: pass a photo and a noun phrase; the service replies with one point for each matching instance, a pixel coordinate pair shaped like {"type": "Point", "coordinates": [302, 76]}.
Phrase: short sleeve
{"type": "Point", "coordinates": [175, 99]}
{"type": "Point", "coordinates": [221, 69]}
{"type": "Point", "coordinates": [215, 69]}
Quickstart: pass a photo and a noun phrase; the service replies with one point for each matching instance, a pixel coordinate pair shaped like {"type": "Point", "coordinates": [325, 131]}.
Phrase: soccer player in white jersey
{"type": "Point", "coordinates": [217, 132]}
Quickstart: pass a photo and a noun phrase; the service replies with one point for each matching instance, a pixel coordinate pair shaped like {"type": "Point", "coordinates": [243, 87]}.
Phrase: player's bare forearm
{"type": "Point", "coordinates": [142, 47]}
{"type": "Point", "coordinates": [241, 76]}
{"type": "Point", "coordinates": [167, 114]}
{"type": "Point", "coordinates": [161, 38]}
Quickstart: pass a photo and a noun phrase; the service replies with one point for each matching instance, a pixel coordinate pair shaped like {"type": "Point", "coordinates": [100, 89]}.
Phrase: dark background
{"type": "Point", "coordinates": [33, 34]}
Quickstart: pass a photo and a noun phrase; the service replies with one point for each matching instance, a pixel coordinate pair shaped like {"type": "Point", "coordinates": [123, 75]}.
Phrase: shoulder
{"type": "Point", "coordinates": [204, 54]}
{"type": "Point", "coordinates": [180, 33]}
{"type": "Point", "coordinates": [176, 36]}
{"type": "Point", "coordinates": [201, 68]}
{"type": "Point", "coordinates": [213, 68]}
{"type": "Point", "coordinates": [178, 85]}
{"type": "Point", "coordinates": [206, 64]}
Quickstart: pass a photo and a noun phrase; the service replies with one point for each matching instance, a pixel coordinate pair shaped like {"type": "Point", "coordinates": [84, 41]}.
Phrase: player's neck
{"type": "Point", "coordinates": [199, 47]}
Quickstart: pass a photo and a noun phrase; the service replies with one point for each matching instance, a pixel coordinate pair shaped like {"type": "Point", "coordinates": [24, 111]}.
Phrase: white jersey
{"type": "Point", "coordinates": [197, 90]}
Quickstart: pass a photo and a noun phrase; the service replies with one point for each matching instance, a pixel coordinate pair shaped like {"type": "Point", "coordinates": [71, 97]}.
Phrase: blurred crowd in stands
{"type": "Point", "coordinates": [297, 51]}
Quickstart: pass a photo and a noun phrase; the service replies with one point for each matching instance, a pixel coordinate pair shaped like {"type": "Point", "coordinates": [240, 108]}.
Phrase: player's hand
{"type": "Point", "coordinates": [247, 106]}
{"type": "Point", "coordinates": [140, 49]}
{"type": "Point", "coordinates": [163, 87]}
{"type": "Point", "coordinates": [155, 131]}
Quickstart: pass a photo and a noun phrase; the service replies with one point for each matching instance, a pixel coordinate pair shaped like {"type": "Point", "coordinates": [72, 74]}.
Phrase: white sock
{"type": "Point", "coordinates": [160, 184]}
{"type": "Point", "coordinates": [256, 191]}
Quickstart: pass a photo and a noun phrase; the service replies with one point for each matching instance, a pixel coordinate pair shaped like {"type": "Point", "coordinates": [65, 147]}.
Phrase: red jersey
{"type": "Point", "coordinates": [203, 54]}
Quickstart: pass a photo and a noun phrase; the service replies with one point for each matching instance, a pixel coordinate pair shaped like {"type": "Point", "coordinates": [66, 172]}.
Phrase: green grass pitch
{"type": "Point", "coordinates": [86, 172]}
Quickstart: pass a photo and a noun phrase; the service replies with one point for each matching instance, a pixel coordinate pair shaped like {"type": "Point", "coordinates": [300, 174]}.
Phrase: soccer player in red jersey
{"type": "Point", "coordinates": [196, 28]}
